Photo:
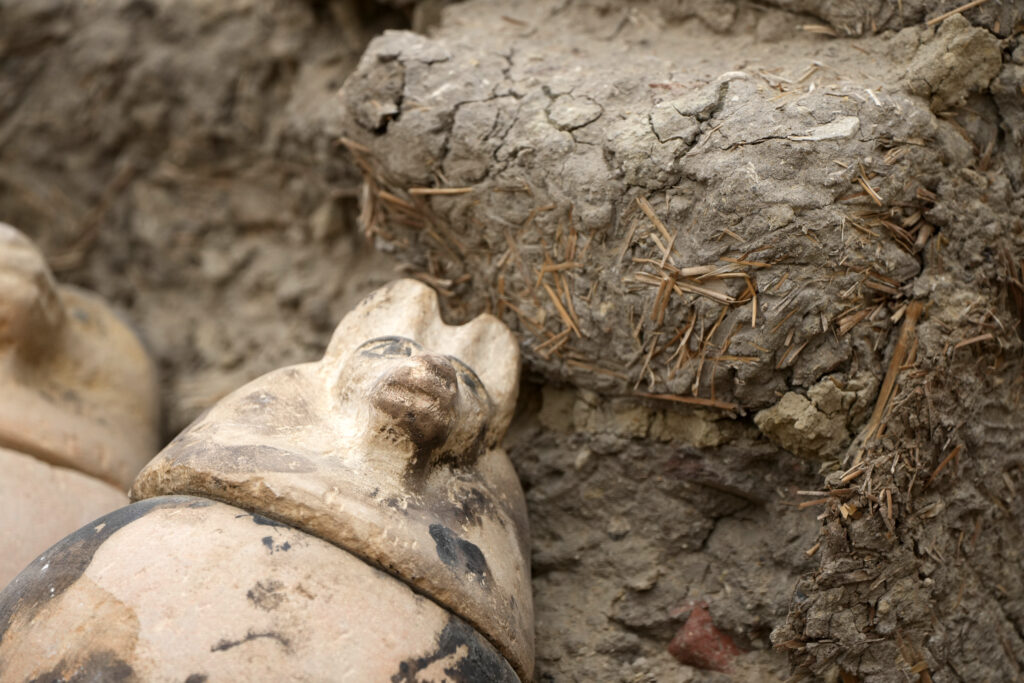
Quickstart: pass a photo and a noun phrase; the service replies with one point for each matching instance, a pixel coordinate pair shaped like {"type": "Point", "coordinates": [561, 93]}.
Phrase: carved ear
{"type": "Point", "coordinates": [409, 308]}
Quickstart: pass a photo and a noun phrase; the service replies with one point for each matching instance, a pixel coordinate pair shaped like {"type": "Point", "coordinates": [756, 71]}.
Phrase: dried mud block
{"type": "Point", "coordinates": [813, 427]}
{"type": "Point", "coordinates": [384, 454]}
{"type": "Point", "coordinates": [655, 208]}
{"type": "Point", "coordinates": [960, 60]}
{"type": "Point", "coordinates": [40, 504]}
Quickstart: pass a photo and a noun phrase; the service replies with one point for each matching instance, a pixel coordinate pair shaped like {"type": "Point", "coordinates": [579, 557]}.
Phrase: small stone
{"type": "Point", "coordinates": [838, 128]}
{"type": "Point", "coordinates": [618, 527]}
{"type": "Point", "coordinates": [569, 113]}
{"type": "Point", "coordinates": [644, 581]}
{"type": "Point", "coordinates": [215, 264]}
{"type": "Point", "coordinates": [700, 644]}
{"type": "Point", "coordinates": [796, 424]}
{"type": "Point", "coordinates": [582, 458]}
{"type": "Point", "coordinates": [328, 221]}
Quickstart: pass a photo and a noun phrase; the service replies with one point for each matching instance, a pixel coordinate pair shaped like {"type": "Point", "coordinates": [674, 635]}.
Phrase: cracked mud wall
{"type": "Point", "coordinates": [816, 238]}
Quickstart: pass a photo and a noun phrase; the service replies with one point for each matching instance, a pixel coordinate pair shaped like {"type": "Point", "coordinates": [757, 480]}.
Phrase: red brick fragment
{"type": "Point", "coordinates": [699, 643]}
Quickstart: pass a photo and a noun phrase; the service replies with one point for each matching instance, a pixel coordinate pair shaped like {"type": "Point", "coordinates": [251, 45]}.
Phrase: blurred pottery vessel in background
{"type": "Point", "coordinates": [79, 406]}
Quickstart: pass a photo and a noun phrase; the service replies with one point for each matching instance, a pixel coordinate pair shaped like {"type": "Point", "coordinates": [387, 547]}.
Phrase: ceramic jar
{"type": "Point", "coordinates": [350, 519]}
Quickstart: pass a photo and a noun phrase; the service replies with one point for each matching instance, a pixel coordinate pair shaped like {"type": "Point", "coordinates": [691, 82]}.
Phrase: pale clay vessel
{"type": "Point", "coordinates": [78, 406]}
{"type": "Point", "coordinates": [41, 504]}
{"type": "Point", "coordinates": [350, 519]}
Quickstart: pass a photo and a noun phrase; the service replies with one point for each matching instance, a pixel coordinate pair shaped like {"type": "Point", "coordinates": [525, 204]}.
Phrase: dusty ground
{"type": "Point", "coordinates": [180, 158]}
{"type": "Point", "coordinates": [176, 157]}
{"type": "Point", "coordinates": [638, 514]}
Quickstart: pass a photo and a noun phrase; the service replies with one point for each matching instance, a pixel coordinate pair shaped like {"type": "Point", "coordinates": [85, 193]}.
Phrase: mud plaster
{"type": "Point", "coordinates": [809, 163]}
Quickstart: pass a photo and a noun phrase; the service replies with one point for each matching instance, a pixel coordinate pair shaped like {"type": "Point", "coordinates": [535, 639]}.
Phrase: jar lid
{"type": "Point", "coordinates": [388, 448]}
{"type": "Point", "coordinates": [77, 387]}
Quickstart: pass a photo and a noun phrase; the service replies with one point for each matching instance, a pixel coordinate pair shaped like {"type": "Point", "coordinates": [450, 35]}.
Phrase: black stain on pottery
{"type": "Point", "coordinates": [53, 572]}
{"type": "Point", "coordinates": [481, 663]}
{"type": "Point", "coordinates": [457, 553]}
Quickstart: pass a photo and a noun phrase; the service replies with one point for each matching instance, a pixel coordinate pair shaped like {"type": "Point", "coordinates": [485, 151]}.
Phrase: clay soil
{"type": "Point", "coordinates": [844, 503]}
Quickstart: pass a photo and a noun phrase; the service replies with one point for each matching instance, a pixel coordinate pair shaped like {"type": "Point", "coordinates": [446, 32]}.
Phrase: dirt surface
{"type": "Point", "coordinates": [841, 500]}
{"type": "Point", "coordinates": [640, 514]}
{"type": "Point", "coordinates": [177, 157]}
